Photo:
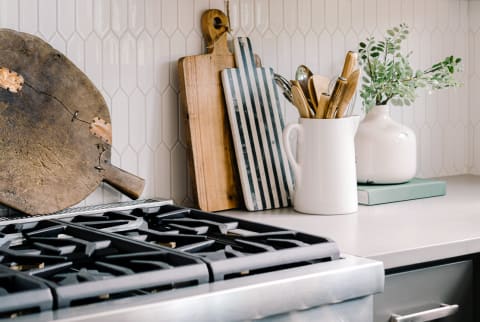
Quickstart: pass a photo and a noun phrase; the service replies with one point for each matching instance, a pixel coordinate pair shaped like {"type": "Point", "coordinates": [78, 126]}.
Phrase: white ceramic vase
{"type": "Point", "coordinates": [385, 150]}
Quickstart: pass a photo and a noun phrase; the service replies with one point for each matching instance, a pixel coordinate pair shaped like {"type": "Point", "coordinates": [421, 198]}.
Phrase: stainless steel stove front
{"type": "Point", "coordinates": [340, 290]}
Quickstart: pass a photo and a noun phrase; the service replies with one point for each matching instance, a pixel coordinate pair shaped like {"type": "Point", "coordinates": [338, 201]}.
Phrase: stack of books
{"type": "Point", "coordinates": [374, 194]}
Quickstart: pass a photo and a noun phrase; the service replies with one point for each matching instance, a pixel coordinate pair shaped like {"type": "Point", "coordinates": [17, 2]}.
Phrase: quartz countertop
{"type": "Point", "coordinates": [398, 234]}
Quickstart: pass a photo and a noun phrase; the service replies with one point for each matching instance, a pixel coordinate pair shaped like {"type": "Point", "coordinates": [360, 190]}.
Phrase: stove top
{"type": "Point", "coordinates": [230, 247]}
{"type": "Point", "coordinates": [95, 254]}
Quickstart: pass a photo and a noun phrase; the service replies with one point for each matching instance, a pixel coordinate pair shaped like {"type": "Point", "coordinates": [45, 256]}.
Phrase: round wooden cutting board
{"type": "Point", "coordinates": [55, 133]}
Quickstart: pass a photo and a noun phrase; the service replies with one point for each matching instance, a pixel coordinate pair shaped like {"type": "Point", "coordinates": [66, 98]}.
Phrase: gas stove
{"type": "Point", "coordinates": [151, 259]}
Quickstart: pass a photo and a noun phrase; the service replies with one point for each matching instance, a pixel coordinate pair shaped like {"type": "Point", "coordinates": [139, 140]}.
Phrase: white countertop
{"type": "Point", "coordinates": [397, 234]}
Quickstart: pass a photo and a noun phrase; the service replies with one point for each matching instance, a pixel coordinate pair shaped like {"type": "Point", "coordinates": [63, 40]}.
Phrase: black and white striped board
{"type": "Point", "coordinates": [256, 121]}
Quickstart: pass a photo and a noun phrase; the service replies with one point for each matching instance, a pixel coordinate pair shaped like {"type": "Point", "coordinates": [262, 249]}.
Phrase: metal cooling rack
{"type": "Point", "coordinates": [10, 216]}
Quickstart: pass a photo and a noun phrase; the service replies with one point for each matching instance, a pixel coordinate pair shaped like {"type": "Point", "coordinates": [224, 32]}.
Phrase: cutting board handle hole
{"type": "Point", "coordinates": [217, 23]}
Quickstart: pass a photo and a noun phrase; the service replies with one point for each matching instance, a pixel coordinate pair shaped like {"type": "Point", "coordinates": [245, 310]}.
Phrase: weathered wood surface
{"type": "Point", "coordinates": [49, 159]}
{"type": "Point", "coordinates": [211, 157]}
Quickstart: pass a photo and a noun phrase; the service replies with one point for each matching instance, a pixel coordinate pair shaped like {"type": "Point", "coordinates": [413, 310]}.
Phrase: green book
{"type": "Point", "coordinates": [374, 194]}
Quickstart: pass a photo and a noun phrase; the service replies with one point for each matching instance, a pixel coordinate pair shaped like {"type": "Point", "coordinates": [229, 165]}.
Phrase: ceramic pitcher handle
{"type": "Point", "coordinates": [288, 149]}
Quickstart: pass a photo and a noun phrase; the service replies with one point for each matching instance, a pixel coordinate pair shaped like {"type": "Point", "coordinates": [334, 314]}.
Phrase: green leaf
{"type": "Point", "coordinates": [388, 75]}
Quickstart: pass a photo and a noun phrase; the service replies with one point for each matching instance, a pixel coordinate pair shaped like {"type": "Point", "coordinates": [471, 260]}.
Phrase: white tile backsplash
{"type": "Point", "coordinates": [130, 48]}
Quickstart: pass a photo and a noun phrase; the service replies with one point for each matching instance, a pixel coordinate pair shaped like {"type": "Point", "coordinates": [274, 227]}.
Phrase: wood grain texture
{"type": "Point", "coordinates": [335, 97]}
{"type": "Point", "coordinates": [211, 156]}
{"type": "Point", "coordinates": [351, 59]}
{"type": "Point", "coordinates": [49, 160]}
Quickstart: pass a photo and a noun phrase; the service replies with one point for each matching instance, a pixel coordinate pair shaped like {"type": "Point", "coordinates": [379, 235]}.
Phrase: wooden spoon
{"type": "Point", "coordinates": [299, 100]}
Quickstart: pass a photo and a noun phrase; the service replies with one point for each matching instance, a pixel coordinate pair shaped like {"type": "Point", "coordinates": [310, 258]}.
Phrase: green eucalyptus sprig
{"type": "Point", "coordinates": [388, 76]}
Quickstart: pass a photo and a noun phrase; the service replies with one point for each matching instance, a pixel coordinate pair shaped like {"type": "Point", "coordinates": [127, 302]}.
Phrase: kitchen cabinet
{"type": "Point", "coordinates": [434, 290]}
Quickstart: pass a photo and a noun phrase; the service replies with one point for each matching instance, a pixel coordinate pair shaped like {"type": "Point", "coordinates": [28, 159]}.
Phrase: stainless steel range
{"type": "Point", "coordinates": [152, 260]}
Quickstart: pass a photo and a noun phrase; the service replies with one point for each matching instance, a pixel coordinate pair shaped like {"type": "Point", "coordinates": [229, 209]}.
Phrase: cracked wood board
{"type": "Point", "coordinates": [50, 159]}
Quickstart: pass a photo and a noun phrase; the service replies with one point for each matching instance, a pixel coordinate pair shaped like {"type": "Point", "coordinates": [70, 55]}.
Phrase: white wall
{"type": "Point", "coordinates": [130, 50]}
{"type": "Point", "coordinates": [474, 86]}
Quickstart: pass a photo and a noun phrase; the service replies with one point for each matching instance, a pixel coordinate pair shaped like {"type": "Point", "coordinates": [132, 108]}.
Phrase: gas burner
{"type": "Point", "coordinates": [21, 294]}
{"type": "Point", "coordinates": [221, 254]}
{"type": "Point", "coordinates": [55, 241]}
{"type": "Point", "coordinates": [109, 221]}
{"type": "Point", "coordinates": [230, 247]}
{"type": "Point", "coordinates": [21, 258]}
{"type": "Point", "coordinates": [81, 263]}
{"type": "Point", "coordinates": [83, 275]}
{"type": "Point", "coordinates": [136, 250]}
{"type": "Point", "coordinates": [14, 233]}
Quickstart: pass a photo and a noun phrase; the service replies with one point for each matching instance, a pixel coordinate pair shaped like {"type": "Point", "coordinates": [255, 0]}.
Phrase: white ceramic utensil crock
{"type": "Point", "coordinates": [324, 169]}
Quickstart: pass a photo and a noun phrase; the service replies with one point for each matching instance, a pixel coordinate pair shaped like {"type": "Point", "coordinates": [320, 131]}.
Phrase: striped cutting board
{"type": "Point", "coordinates": [256, 122]}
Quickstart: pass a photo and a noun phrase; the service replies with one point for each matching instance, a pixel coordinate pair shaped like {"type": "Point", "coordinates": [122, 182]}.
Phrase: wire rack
{"type": "Point", "coordinates": [10, 216]}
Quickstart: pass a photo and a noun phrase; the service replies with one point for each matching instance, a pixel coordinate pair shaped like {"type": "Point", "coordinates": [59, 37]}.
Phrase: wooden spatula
{"type": "Point", "coordinates": [299, 100]}
{"type": "Point", "coordinates": [320, 83]}
{"type": "Point", "coordinates": [322, 106]}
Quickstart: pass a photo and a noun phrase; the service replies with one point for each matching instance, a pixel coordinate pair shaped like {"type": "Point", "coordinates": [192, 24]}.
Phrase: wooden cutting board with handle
{"type": "Point", "coordinates": [55, 131]}
{"type": "Point", "coordinates": [211, 157]}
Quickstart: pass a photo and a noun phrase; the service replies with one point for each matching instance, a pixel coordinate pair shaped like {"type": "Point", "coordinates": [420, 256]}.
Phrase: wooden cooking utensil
{"type": "Point", "coordinates": [312, 93]}
{"type": "Point", "coordinates": [322, 106]}
{"type": "Point", "coordinates": [299, 100]}
{"type": "Point", "coordinates": [55, 132]}
{"type": "Point", "coordinates": [335, 97]}
{"type": "Point", "coordinates": [211, 154]}
{"type": "Point", "coordinates": [351, 59]}
{"type": "Point", "coordinates": [348, 93]}
{"type": "Point", "coordinates": [320, 83]}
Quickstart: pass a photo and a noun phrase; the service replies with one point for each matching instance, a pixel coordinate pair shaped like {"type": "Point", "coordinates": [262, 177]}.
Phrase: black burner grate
{"type": "Point", "coordinates": [21, 294]}
{"type": "Point", "coordinates": [80, 263]}
{"type": "Point", "coordinates": [230, 247]}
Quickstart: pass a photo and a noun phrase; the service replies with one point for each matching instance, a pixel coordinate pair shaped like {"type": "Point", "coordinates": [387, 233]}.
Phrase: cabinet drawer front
{"type": "Point", "coordinates": [419, 290]}
{"type": "Point", "coordinates": [356, 310]}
